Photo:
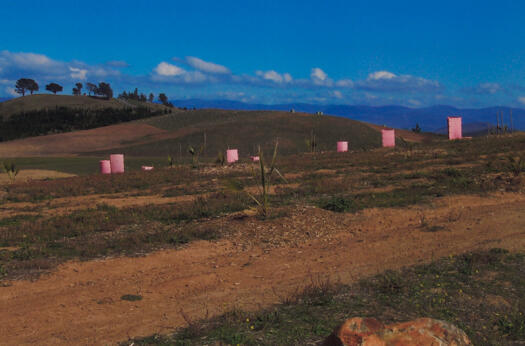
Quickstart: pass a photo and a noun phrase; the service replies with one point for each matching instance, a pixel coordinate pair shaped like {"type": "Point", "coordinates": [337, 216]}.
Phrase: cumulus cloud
{"type": "Point", "coordinates": [318, 75]}
{"type": "Point", "coordinates": [168, 70]}
{"type": "Point", "coordinates": [40, 67]}
{"type": "Point", "coordinates": [77, 73]}
{"type": "Point", "coordinates": [378, 75]}
{"type": "Point", "coordinates": [385, 81]}
{"type": "Point", "coordinates": [344, 83]}
{"type": "Point", "coordinates": [319, 78]}
{"type": "Point", "coordinates": [206, 66]}
{"type": "Point", "coordinates": [274, 76]}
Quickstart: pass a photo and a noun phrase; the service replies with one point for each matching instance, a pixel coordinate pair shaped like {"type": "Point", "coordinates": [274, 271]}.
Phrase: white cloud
{"type": "Point", "coordinates": [378, 75]}
{"type": "Point", "coordinates": [44, 69]}
{"type": "Point", "coordinates": [337, 94]}
{"type": "Point", "coordinates": [168, 70]}
{"type": "Point", "coordinates": [11, 92]}
{"type": "Point", "coordinates": [521, 99]}
{"type": "Point", "coordinates": [319, 78]}
{"type": "Point", "coordinates": [274, 76]}
{"type": "Point", "coordinates": [344, 83]}
{"type": "Point", "coordinates": [77, 73]}
{"type": "Point", "coordinates": [385, 81]}
{"type": "Point", "coordinates": [318, 74]}
{"type": "Point", "coordinates": [206, 66]}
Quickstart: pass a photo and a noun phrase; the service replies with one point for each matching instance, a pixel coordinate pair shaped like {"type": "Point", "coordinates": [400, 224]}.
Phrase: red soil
{"type": "Point", "coordinates": [80, 302]}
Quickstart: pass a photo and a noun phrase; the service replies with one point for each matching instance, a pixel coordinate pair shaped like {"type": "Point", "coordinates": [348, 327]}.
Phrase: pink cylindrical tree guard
{"type": "Point", "coordinates": [117, 163]}
{"type": "Point", "coordinates": [388, 137]}
{"type": "Point", "coordinates": [147, 168]}
{"type": "Point", "coordinates": [232, 155]}
{"type": "Point", "coordinates": [255, 158]}
{"type": "Point", "coordinates": [342, 146]}
{"type": "Point", "coordinates": [105, 167]}
{"type": "Point", "coordinates": [454, 128]}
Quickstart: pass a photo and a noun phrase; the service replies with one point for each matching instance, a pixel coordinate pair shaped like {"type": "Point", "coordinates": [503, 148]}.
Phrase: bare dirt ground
{"type": "Point", "coordinates": [80, 302]}
{"type": "Point", "coordinates": [66, 144]}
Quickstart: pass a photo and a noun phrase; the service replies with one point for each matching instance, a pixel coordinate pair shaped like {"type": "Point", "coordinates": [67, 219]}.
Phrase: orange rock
{"type": "Point", "coordinates": [371, 332]}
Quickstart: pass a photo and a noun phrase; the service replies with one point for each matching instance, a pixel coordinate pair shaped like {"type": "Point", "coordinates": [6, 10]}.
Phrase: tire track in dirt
{"type": "Point", "coordinates": [80, 302]}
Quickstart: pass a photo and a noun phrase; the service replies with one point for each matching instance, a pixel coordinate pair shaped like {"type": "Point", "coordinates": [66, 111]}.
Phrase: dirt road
{"type": "Point", "coordinates": [80, 302]}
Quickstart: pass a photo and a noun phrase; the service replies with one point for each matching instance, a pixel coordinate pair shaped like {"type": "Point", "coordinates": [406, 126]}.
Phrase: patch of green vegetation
{"type": "Point", "coordinates": [107, 230]}
{"type": "Point", "coordinates": [17, 219]}
{"type": "Point", "coordinates": [338, 204]}
{"type": "Point", "coordinates": [131, 297]}
{"type": "Point", "coordinates": [482, 293]}
{"type": "Point", "coordinates": [82, 165]}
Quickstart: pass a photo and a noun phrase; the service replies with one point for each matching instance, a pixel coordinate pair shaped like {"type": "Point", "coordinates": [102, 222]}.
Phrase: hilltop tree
{"type": "Point", "coordinates": [22, 85]}
{"type": "Point", "coordinates": [104, 89]}
{"type": "Point", "coordinates": [163, 98]}
{"type": "Point", "coordinates": [79, 87]}
{"type": "Point", "coordinates": [91, 88]}
{"type": "Point", "coordinates": [33, 86]}
{"type": "Point", "coordinates": [76, 92]}
{"type": "Point", "coordinates": [151, 97]}
{"type": "Point", "coordinates": [54, 88]}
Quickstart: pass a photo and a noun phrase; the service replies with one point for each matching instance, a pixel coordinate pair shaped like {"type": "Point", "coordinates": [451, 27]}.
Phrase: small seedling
{"type": "Point", "coordinates": [264, 178]}
{"type": "Point", "coordinates": [11, 170]}
{"type": "Point", "coordinates": [220, 158]}
{"type": "Point", "coordinates": [171, 161]}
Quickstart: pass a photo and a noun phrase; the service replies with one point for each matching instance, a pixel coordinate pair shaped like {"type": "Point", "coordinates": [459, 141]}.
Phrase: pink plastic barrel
{"type": "Point", "coordinates": [147, 168]}
{"type": "Point", "coordinates": [117, 163]}
{"type": "Point", "coordinates": [255, 158]}
{"type": "Point", "coordinates": [105, 167]}
{"type": "Point", "coordinates": [388, 138]}
{"type": "Point", "coordinates": [342, 146]}
{"type": "Point", "coordinates": [232, 155]}
{"type": "Point", "coordinates": [454, 128]}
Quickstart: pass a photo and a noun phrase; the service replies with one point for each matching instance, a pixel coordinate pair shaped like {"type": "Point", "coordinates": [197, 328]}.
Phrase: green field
{"type": "Point", "coordinates": [83, 165]}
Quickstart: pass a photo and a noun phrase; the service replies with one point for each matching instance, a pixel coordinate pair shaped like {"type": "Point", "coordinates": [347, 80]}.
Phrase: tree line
{"type": "Point", "coordinates": [103, 89]}
{"type": "Point", "coordinates": [64, 119]}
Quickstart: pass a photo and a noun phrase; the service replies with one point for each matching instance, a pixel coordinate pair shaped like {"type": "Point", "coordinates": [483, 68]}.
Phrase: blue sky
{"type": "Point", "coordinates": [414, 53]}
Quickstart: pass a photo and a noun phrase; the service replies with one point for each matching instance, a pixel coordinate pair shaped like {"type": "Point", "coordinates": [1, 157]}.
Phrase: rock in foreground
{"type": "Point", "coordinates": [371, 332]}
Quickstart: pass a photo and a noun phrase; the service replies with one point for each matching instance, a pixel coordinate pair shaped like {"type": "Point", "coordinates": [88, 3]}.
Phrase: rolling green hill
{"type": "Point", "coordinates": [246, 130]}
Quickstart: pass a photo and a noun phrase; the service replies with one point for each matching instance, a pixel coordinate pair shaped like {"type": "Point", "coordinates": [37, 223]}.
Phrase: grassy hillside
{"type": "Point", "coordinates": [245, 130]}
{"type": "Point", "coordinates": [46, 101]}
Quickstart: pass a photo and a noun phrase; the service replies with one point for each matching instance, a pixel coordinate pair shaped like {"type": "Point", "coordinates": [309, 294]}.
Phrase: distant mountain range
{"type": "Point", "coordinates": [429, 118]}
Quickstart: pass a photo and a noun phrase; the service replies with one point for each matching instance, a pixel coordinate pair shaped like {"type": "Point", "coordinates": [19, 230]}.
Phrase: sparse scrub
{"type": "Point", "coordinates": [442, 290]}
{"type": "Point", "coordinates": [516, 165]}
